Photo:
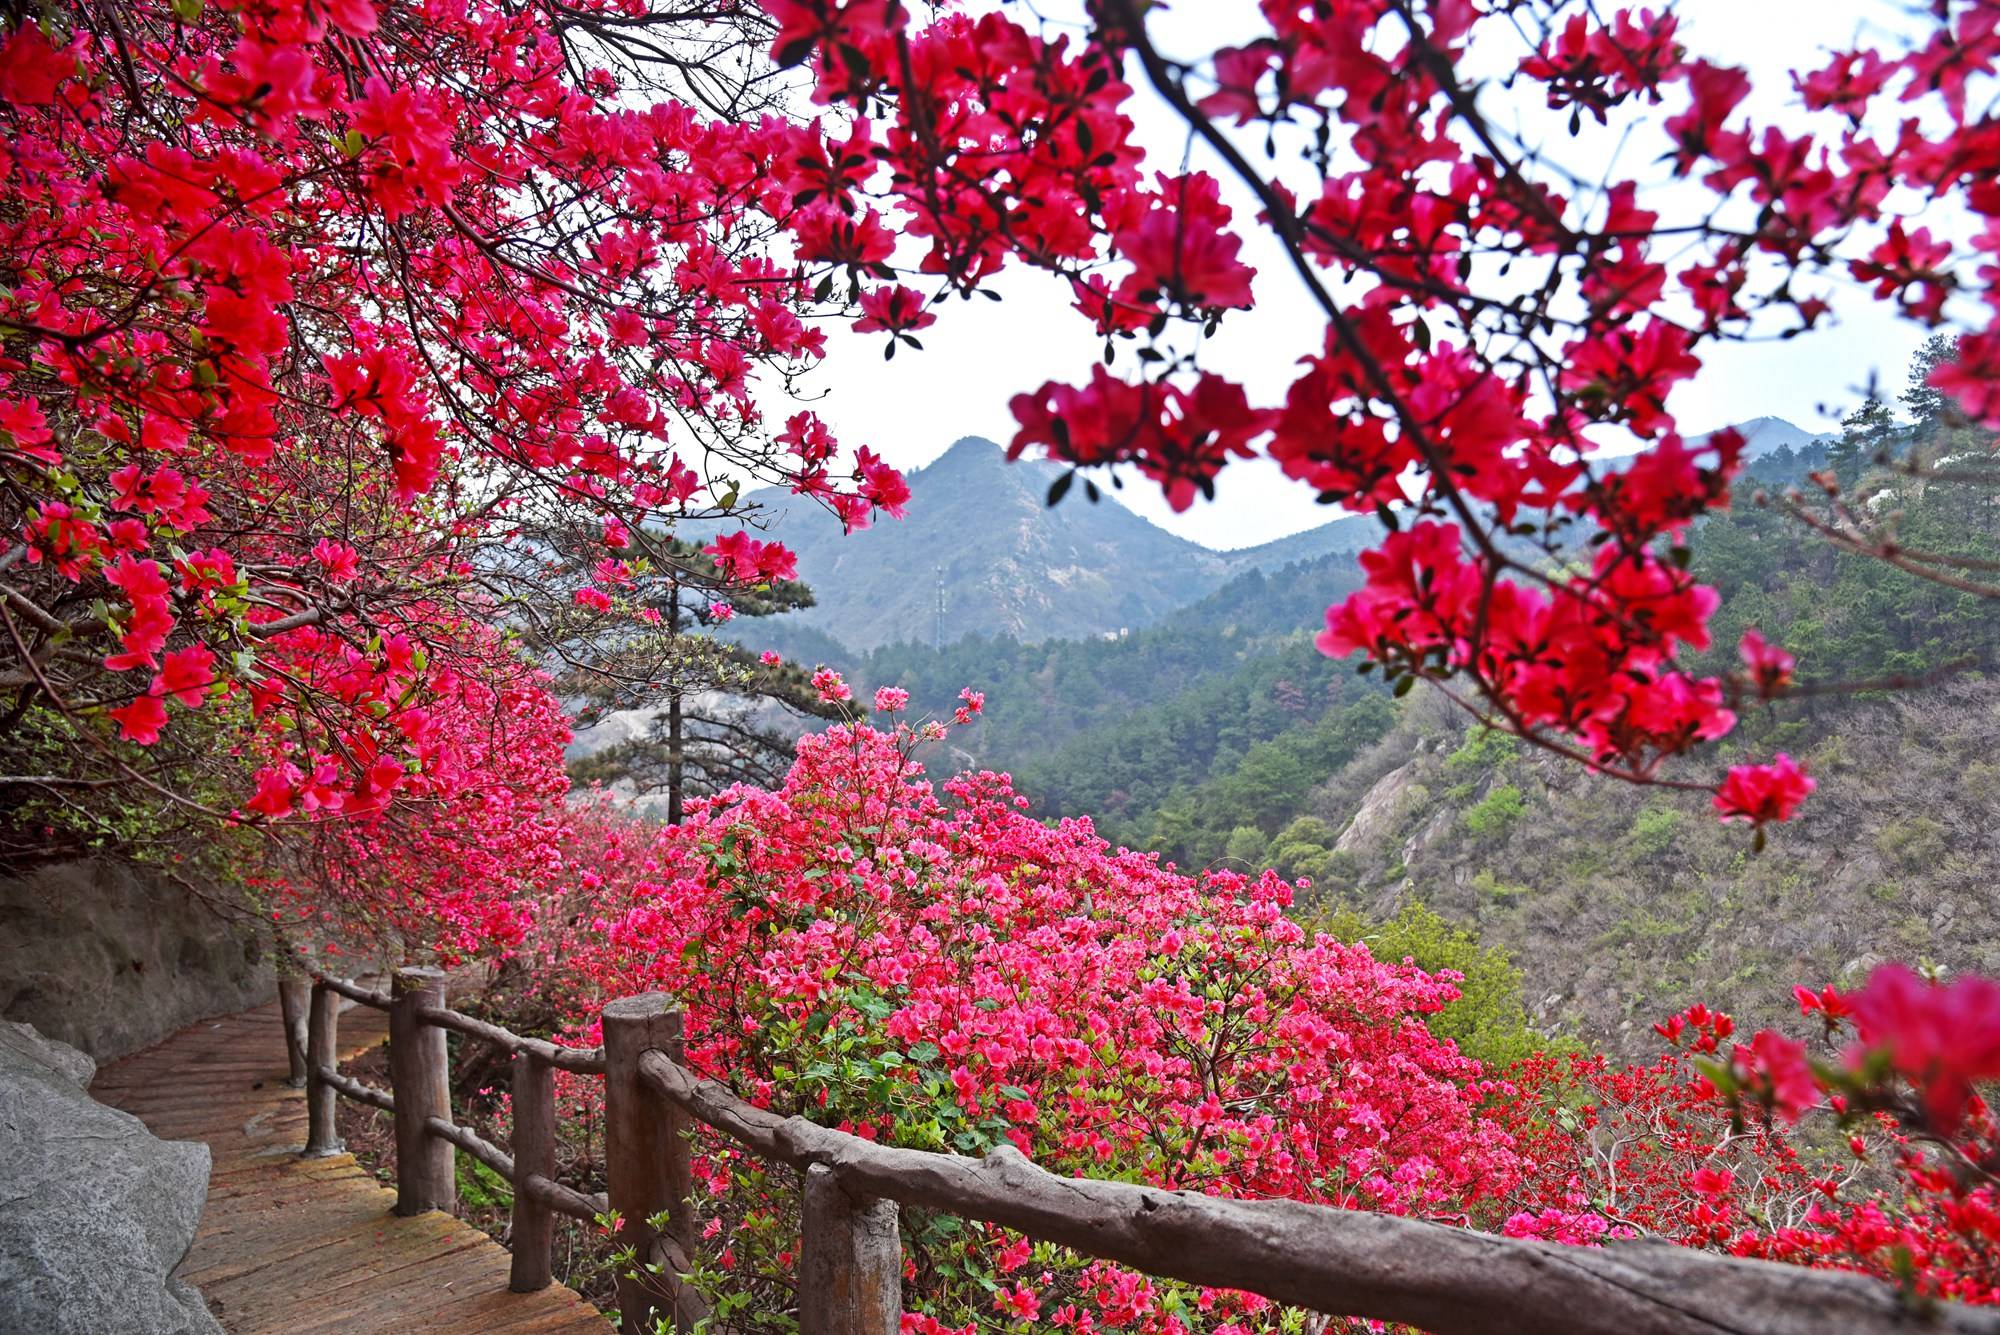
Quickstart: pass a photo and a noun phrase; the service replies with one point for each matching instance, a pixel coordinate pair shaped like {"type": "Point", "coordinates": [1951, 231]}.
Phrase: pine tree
{"type": "Point", "coordinates": [1930, 409]}
{"type": "Point", "coordinates": [1867, 434]}
{"type": "Point", "coordinates": [717, 708]}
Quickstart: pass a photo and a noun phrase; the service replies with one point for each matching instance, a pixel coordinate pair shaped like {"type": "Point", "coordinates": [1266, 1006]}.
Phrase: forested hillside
{"type": "Point", "coordinates": [1222, 736]}
{"type": "Point", "coordinates": [1622, 905]}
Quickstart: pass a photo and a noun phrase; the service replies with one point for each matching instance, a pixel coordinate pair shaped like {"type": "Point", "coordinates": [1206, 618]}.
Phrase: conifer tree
{"type": "Point", "coordinates": [713, 709]}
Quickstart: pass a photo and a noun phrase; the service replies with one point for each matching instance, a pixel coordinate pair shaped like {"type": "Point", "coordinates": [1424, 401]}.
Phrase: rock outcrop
{"type": "Point", "coordinates": [111, 958]}
{"type": "Point", "coordinates": [95, 1213]}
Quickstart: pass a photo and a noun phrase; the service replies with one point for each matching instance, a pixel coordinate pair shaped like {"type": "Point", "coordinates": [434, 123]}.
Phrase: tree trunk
{"type": "Point", "coordinates": [676, 769]}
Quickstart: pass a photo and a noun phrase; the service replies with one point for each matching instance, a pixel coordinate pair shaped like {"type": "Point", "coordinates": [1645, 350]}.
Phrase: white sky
{"type": "Point", "coordinates": [979, 354]}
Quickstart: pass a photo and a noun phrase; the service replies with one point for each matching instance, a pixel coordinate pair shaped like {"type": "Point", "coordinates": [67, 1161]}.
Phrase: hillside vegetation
{"type": "Point", "coordinates": [1621, 905]}
{"type": "Point", "coordinates": [1222, 737]}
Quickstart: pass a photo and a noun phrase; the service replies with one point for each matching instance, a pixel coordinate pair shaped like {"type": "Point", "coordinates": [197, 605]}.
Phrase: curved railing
{"type": "Point", "coordinates": [1340, 1262]}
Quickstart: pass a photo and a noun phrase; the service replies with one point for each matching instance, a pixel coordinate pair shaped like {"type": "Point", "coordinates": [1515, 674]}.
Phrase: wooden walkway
{"type": "Point", "coordinates": [309, 1246]}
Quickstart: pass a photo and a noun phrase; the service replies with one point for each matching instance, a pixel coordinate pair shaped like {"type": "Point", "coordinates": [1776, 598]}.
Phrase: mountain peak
{"type": "Point", "coordinates": [976, 455]}
{"type": "Point", "coordinates": [968, 447]}
{"type": "Point", "coordinates": [1009, 563]}
{"type": "Point", "coordinates": [1765, 435]}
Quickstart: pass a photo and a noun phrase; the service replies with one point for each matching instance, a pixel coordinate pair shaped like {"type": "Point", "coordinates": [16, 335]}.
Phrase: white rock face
{"type": "Point", "coordinates": [95, 1212]}
{"type": "Point", "coordinates": [1378, 810]}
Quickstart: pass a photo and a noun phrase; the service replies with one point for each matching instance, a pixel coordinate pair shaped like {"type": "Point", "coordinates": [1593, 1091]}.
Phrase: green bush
{"type": "Point", "coordinates": [1484, 749]}
{"type": "Point", "coordinates": [1497, 890]}
{"type": "Point", "coordinates": [1306, 830]}
{"type": "Point", "coordinates": [1301, 860]}
{"type": "Point", "coordinates": [1499, 810]}
{"type": "Point", "coordinates": [1246, 847]}
{"type": "Point", "coordinates": [1488, 1021]}
{"type": "Point", "coordinates": [1917, 842]}
{"type": "Point", "coordinates": [1654, 830]}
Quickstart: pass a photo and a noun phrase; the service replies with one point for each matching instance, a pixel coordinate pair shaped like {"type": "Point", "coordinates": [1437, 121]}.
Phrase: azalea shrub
{"type": "Point", "coordinates": [930, 966]}
{"type": "Point", "coordinates": [1861, 1147]}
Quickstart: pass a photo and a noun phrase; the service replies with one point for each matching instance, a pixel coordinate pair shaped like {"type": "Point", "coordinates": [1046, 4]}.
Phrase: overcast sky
{"type": "Point", "coordinates": [979, 354]}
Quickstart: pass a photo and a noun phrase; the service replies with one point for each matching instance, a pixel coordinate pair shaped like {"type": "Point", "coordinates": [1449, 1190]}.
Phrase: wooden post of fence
{"type": "Point", "coordinates": [294, 997]}
{"type": "Point", "coordinates": [533, 1232]}
{"type": "Point", "coordinates": [850, 1261]}
{"type": "Point", "coordinates": [645, 1156]}
{"type": "Point", "coordinates": [420, 1078]}
{"type": "Point", "coordinates": [322, 1053]}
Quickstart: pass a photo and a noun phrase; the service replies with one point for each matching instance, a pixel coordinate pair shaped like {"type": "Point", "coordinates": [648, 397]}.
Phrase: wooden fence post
{"type": "Point", "coordinates": [533, 1231]}
{"type": "Point", "coordinates": [850, 1261]}
{"type": "Point", "coordinates": [646, 1157]}
{"type": "Point", "coordinates": [420, 1078]}
{"type": "Point", "coordinates": [294, 996]}
{"type": "Point", "coordinates": [322, 1052]}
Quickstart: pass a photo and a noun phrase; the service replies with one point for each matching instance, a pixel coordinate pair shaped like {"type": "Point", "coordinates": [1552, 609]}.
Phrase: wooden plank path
{"type": "Point", "coordinates": [309, 1246]}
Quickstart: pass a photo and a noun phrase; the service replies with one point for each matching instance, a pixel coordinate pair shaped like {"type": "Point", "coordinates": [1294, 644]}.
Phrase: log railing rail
{"type": "Point", "coordinates": [420, 1102]}
{"type": "Point", "coordinates": [1439, 1278]}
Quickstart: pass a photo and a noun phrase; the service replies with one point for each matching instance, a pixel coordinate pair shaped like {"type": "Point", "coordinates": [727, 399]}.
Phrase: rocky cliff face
{"type": "Point", "coordinates": [111, 958]}
{"type": "Point", "coordinates": [95, 1214]}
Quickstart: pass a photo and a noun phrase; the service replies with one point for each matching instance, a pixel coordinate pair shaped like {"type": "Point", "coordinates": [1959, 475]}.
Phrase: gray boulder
{"type": "Point", "coordinates": [95, 1213]}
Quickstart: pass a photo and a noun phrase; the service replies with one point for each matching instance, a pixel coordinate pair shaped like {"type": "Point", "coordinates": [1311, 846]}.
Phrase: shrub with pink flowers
{"type": "Point", "coordinates": [930, 966]}
{"type": "Point", "coordinates": [1869, 1152]}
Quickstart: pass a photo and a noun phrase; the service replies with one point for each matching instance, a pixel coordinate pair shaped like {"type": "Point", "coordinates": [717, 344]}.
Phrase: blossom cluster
{"type": "Point", "coordinates": [312, 310]}
{"type": "Point", "coordinates": [1492, 323]}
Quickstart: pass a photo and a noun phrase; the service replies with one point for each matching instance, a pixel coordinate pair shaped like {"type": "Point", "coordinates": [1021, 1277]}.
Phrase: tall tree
{"type": "Point", "coordinates": [1867, 435]}
{"type": "Point", "coordinates": [711, 698]}
{"type": "Point", "coordinates": [1929, 407]}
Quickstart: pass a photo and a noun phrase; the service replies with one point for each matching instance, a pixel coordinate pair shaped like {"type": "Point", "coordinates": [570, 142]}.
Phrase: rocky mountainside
{"type": "Point", "coordinates": [1351, 533]}
{"type": "Point", "coordinates": [1623, 905]}
{"type": "Point", "coordinates": [1768, 435]}
{"type": "Point", "coordinates": [1009, 563]}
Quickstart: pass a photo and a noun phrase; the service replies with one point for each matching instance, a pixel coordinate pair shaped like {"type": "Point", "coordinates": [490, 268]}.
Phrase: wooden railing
{"type": "Point", "coordinates": [1322, 1259]}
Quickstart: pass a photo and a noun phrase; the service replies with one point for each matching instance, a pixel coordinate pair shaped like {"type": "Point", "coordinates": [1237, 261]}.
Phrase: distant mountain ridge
{"type": "Point", "coordinates": [1768, 435]}
{"type": "Point", "coordinates": [1009, 563]}
{"type": "Point", "coordinates": [1012, 565]}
